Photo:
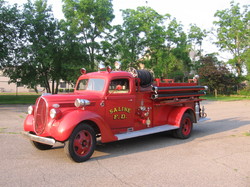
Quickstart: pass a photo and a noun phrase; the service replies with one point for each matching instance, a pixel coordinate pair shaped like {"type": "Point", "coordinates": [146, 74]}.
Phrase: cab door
{"type": "Point", "coordinates": [120, 106]}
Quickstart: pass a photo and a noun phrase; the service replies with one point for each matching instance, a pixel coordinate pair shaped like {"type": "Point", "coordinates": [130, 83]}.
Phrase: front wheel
{"type": "Point", "coordinates": [81, 143]}
{"type": "Point", "coordinates": [186, 127]}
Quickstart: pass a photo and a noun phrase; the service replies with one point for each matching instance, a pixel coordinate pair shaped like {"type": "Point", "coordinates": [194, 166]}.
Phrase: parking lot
{"type": "Point", "coordinates": [217, 154]}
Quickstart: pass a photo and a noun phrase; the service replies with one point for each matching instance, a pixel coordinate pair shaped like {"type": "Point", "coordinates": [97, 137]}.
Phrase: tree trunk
{"type": "Point", "coordinates": [238, 67]}
{"type": "Point", "coordinates": [57, 85]}
{"type": "Point", "coordinates": [46, 83]}
{"type": "Point", "coordinates": [215, 93]}
{"type": "Point", "coordinates": [47, 87]}
{"type": "Point", "coordinates": [53, 87]}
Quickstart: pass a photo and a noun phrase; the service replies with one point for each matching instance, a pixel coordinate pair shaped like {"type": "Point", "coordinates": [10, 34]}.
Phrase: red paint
{"type": "Point", "coordinates": [115, 104]}
{"type": "Point", "coordinates": [186, 128]}
{"type": "Point", "coordinates": [82, 143]}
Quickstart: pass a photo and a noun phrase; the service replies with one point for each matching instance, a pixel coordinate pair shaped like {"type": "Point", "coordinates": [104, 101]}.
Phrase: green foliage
{"type": "Point", "coordinates": [35, 48]}
{"type": "Point", "coordinates": [246, 56]}
{"type": "Point", "coordinates": [66, 90]}
{"type": "Point", "coordinates": [70, 53]}
{"type": "Point", "coordinates": [89, 20]}
{"type": "Point", "coordinates": [9, 27]}
{"type": "Point", "coordinates": [233, 34]}
{"type": "Point", "coordinates": [216, 75]}
{"type": "Point", "coordinates": [32, 61]}
{"type": "Point", "coordinates": [245, 91]}
{"type": "Point", "coordinates": [196, 37]}
{"type": "Point", "coordinates": [144, 38]}
{"type": "Point", "coordinates": [141, 30]}
{"type": "Point", "coordinates": [43, 55]}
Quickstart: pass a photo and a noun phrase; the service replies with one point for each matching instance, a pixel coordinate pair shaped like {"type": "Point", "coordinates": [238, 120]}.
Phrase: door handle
{"type": "Point", "coordinates": [130, 100]}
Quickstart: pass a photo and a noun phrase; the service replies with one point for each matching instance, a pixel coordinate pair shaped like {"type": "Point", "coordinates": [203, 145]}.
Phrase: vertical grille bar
{"type": "Point", "coordinates": [40, 116]}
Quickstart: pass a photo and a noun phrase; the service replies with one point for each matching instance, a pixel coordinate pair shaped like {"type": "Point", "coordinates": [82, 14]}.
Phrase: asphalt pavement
{"type": "Point", "coordinates": [217, 154]}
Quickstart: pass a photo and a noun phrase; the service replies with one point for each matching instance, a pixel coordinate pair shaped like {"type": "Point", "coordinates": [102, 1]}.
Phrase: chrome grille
{"type": "Point", "coordinates": [40, 116]}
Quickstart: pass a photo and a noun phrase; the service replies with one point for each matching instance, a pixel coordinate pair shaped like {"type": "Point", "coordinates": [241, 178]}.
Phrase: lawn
{"type": "Point", "coordinates": [18, 99]}
{"type": "Point", "coordinates": [226, 98]}
{"type": "Point", "coordinates": [31, 99]}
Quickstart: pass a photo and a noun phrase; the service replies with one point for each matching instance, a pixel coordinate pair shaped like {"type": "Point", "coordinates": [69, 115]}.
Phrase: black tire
{"type": "Point", "coordinates": [81, 144]}
{"type": "Point", "coordinates": [186, 127]}
{"type": "Point", "coordinates": [41, 146]}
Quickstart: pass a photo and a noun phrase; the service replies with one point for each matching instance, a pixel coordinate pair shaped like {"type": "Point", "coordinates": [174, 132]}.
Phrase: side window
{"type": "Point", "coordinates": [119, 86]}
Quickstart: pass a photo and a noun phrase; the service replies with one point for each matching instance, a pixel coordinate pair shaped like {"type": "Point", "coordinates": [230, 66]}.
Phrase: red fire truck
{"type": "Point", "coordinates": [111, 106]}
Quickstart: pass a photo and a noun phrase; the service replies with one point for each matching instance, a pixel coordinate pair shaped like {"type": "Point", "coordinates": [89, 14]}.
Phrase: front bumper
{"type": "Point", "coordinates": [44, 140]}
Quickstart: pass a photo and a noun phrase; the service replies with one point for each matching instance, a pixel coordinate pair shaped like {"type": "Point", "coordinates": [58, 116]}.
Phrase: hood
{"type": "Point", "coordinates": [67, 100]}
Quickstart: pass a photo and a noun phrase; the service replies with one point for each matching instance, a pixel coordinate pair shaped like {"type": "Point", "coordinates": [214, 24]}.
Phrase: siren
{"type": "Point", "coordinates": [83, 71]}
{"type": "Point", "coordinates": [109, 69]}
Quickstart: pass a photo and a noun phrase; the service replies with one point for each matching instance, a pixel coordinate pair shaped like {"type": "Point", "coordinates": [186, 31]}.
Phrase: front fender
{"type": "Point", "coordinates": [176, 114]}
{"type": "Point", "coordinates": [28, 123]}
{"type": "Point", "coordinates": [62, 129]}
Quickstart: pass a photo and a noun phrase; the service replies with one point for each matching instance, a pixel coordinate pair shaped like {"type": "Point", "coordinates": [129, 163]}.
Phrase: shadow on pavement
{"type": "Point", "coordinates": [164, 140]}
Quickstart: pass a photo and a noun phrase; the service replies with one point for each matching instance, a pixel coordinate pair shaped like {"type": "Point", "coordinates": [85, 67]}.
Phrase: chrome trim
{"type": "Point", "coordinates": [81, 102]}
{"type": "Point", "coordinates": [143, 132]}
{"type": "Point", "coordinates": [30, 109]}
{"type": "Point", "coordinates": [45, 116]}
{"type": "Point", "coordinates": [48, 141]}
{"type": "Point", "coordinates": [56, 105]}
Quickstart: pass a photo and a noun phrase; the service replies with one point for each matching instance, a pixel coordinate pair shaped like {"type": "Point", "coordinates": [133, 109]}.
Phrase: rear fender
{"type": "Point", "coordinates": [176, 114]}
{"type": "Point", "coordinates": [62, 129]}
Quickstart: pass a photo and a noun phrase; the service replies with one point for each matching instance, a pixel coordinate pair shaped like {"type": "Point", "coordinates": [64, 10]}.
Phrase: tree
{"type": "Point", "coordinates": [35, 60]}
{"type": "Point", "coordinates": [153, 39]}
{"type": "Point", "coordinates": [70, 53]}
{"type": "Point", "coordinates": [233, 34]}
{"type": "Point", "coordinates": [216, 75]}
{"type": "Point", "coordinates": [9, 26]}
{"type": "Point", "coordinates": [177, 44]}
{"type": "Point", "coordinates": [89, 20]}
{"type": "Point", "coordinates": [142, 31]}
{"type": "Point", "coordinates": [196, 36]}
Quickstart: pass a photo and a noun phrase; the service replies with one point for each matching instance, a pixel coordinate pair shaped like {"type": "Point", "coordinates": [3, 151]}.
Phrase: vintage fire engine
{"type": "Point", "coordinates": [111, 106]}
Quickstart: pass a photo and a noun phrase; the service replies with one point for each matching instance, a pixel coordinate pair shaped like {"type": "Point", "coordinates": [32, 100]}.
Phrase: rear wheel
{"type": "Point", "coordinates": [186, 127]}
{"type": "Point", "coordinates": [81, 143]}
{"type": "Point", "coordinates": [41, 146]}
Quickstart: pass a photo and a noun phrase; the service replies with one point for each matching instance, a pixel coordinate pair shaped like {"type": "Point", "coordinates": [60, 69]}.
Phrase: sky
{"type": "Point", "coordinates": [199, 12]}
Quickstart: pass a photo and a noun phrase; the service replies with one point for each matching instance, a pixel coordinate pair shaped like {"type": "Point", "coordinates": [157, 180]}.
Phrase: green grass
{"type": "Point", "coordinates": [18, 99]}
{"type": "Point", "coordinates": [226, 98]}
{"type": "Point", "coordinates": [246, 134]}
{"type": "Point", "coordinates": [31, 99]}
{"type": "Point", "coordinates": [2, 131]}
{"type": "Point", "coordinates": [20, 93]}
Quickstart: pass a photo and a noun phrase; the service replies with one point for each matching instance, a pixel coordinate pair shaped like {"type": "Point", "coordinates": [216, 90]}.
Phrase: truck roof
{"type": "Point", "coordinates": [106, 74]}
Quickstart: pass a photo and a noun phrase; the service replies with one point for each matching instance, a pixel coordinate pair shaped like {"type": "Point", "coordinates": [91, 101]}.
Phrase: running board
{"type": "Point", "coordinates": [143, 132]}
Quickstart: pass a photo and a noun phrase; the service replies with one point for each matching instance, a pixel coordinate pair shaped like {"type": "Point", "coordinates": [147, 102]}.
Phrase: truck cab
{"type": "Point", "coordinates": [113, 105]}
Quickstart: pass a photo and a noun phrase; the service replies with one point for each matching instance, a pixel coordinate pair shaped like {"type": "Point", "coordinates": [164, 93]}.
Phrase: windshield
{"type": "Point", "coordinates": [91, 84]}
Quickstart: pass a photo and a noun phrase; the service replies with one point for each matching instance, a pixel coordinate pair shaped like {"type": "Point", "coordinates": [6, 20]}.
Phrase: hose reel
{"type": "Point", "coordinates": [146, 76]}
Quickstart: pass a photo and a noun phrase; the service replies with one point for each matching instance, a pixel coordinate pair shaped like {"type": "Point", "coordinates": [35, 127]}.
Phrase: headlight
{"type": "Point", "coordinates": [81, 102]}
{"type": "Point", "coordinates": [30, 110]}
{"type": "Point", "coordinates": [54, 113]}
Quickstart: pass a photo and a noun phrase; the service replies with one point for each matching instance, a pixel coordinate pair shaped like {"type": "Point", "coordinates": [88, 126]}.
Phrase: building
{"type": "Point", "coordinates": [7, 87]}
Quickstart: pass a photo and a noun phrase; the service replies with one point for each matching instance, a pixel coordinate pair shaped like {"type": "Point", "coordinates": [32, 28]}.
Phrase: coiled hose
{"type": "Point", "coordinates": [146, 76]}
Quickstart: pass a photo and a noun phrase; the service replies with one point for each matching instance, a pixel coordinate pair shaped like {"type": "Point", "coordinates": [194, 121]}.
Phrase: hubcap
{"type": "Point", "coordinates": [186, 128]}
{"type": "Point", "coordinates": [82, 143]}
